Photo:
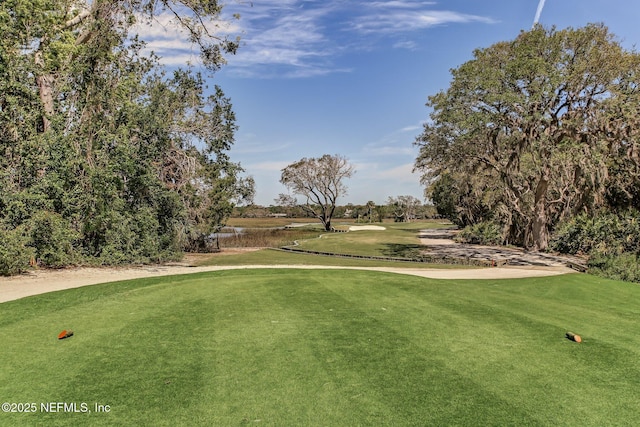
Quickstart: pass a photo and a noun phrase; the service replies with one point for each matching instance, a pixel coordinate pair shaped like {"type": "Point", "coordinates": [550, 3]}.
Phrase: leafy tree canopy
{"type": "Point", "coordinates": [534, 130]}
{"type": "Point", "coordinates": [320, 182]}
{"type": "Point", "coordinates": [119, 160]}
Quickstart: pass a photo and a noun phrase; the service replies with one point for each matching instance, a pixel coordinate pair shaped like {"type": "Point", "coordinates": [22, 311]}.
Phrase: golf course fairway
{"type": "Point", "coordinates": [280, 347]}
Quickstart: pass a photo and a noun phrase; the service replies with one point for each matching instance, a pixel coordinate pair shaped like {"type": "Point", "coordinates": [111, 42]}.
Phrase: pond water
{"type": "Point", "coordinates": [235, 231]}
{"type": "Point", "coordinates": [228, 232]}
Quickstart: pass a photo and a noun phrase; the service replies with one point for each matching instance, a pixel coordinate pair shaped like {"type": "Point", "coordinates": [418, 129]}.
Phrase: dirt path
{"type": "Point", "coordinates": [440, 243]}
{"type": "Point", "coordinates": [43, 281]}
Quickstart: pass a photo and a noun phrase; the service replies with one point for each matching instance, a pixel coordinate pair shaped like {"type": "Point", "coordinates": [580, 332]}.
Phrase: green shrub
{"type": "Point", "coordinates": [19, 207]}
{"type": "Point", "coordinates": [573, 236]}
{"type": "Point", "coordinates": [611, 240]}
{"type": "Point", "coordinates": [607, 233]}
{"type": "Point", "coordinates": [14, 252]}
{"type": "Point", "coordinates": [483, 233]}
{"type": "Point", "coordinates": [624, 266]}
{"type": "Point", "coordinates": [53, 239]}
{"type": "Point", "coordinates": [116, 238]}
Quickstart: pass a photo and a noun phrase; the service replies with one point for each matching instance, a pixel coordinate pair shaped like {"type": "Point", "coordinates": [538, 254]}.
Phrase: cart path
{"type": "Point", "coordinates": [440, 243]}
{"type": "Point", "coordinates": [43, 281]}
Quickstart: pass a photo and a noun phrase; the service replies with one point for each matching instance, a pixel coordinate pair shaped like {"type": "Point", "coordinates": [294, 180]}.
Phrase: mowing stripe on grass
{"type": "Point", "coordinates": [327, 347]}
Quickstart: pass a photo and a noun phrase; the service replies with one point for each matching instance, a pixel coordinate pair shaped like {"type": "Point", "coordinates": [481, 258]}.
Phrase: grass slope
{"type": "Point", "coordinates": [296, 347]}
{"type": "Point", "coordinates": [277, 257]}
{"type": "Point", "coordinates": [398, 240]}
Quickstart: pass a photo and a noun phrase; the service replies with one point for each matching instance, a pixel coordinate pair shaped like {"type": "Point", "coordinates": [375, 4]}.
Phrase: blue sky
{"type": "Point", "coordinates": [352, 77]}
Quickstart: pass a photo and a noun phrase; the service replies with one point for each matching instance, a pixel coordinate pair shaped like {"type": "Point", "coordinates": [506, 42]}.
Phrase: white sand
{"type": "Point", "coordinates": [366, 227]}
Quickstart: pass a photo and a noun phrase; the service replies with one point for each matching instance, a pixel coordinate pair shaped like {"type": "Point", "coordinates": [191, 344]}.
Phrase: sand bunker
{"type": "Point", "coordinates": [366, 227]}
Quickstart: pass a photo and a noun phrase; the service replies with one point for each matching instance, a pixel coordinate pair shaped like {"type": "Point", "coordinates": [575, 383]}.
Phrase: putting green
{"type": "Point", "coordinates": [325, 347]}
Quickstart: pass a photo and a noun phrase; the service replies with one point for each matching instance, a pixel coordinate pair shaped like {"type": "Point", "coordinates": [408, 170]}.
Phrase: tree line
{"type": "Point", "coordinates": [535, 132]}
{"type": "Point", "coordinates": [105, 156]}
{"type": "Point", "coordinates": [395, 208]}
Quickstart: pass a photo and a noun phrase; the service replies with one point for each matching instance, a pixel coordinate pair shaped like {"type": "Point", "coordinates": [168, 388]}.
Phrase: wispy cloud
{"type": "Point", "coordinates": [378, 181]}
{"type": "Point", "coordinates": [406, 44]}
{"type": "Point", "coordinates": [165, 38]}
{"type": "Point", "coordinates": [412, 128]}
{"type": "Point", "coordinates": [302, 38]}
{"type": "Point", "coordinates": [400, 4]}
{"type": "Point", "coordinates": [402, 174]}
{"type": "Point", "coordinates": [391, 18]}
{"type": "Point", "coordinates": [396, 143]}
{"type": "Point", "coordinates": [285, 39]}
{"type": "Point", "coordinates": [258, 148]}
{"type": "Point", "coordinates": [266, 166]}
{"type": "Point", "coordinates": [389, 150]}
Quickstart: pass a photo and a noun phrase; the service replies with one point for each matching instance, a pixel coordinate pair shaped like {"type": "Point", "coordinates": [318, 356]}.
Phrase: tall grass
{"type": "Point", "coordinates": [267, 237]}
{"type": "Point", "coordinates": [268, 222]}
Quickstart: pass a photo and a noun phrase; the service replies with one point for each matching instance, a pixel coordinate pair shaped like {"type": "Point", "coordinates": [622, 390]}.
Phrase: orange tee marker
{"type": "Point", "coordinates": [65, 334]}
{"type": "Point", "coordinates": [574, 337]}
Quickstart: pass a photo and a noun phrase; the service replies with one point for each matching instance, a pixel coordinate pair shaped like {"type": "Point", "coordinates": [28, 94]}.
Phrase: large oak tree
{"type": "Point", "coordinates": [537, 129]}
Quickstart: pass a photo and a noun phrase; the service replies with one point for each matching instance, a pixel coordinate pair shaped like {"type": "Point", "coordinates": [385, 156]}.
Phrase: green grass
{"type": "Point", "coordinates": [276, 257]}
{"type": "Point", "coordinates": [398, 240]}
{"type": "Point", "coordinates": [334, 348]}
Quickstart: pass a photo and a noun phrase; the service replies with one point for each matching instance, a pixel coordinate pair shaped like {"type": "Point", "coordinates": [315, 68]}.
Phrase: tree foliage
{"type": "Point", "coordinates": [536, 130]}
{"type": "Point", "coordinates": [118, 160]}
{"type": "Point", "coordinates": [606, 234]}
{"type": "Point", "coordinates": [403, 207]}
{"type": "Point", "coordinates": [320, 181]}
{"type": "Point", "coordinates": [610, 239]}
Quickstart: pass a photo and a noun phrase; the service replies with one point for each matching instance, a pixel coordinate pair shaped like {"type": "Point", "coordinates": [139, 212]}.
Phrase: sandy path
{"type": "Point", "coordinates": [436, 238]}
{"type": "Point", "coordinates": [43, 281]}
{"type": "Point", "coordinates": [440, 243]}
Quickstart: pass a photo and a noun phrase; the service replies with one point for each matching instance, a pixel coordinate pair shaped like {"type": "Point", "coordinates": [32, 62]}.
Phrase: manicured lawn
{"type": "Point", "coordinates": [327, 348]}
{"type": "Point", "coordinates": [398, 240]}
{"type": "Point", "coordinates": [276, 257]}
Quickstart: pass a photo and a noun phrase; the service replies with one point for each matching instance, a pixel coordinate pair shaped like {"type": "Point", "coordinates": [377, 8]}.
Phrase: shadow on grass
{"type": "Point", "coordinates": [402, 250]}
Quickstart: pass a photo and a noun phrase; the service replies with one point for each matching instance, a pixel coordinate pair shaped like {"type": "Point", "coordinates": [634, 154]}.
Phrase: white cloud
{"type": "Point", "coordinates": [302, 38]}
{"type": "Point", "coordinates": [266, 166]}
{"type": "Point", "coordinates": [402, 21]}
{"type": "Point", "coordinates": [399, 4]}
{"type": "Point", "coordinates": [401, 174]}
{"type": "Point", "coordinates": [396, 143]}
{"type": "Point", "coordinates": [411, 128]}
{"type": "Point", "coordinates": [388, 150]}
{"type": "Point", "coordinates": [165, 38]}
{"type": "Point", "coordinates": [305, 38]}
{"type": "Point", "coordinates": [373, 171]}
{"type": "Point", "coordinates": [406, 44]}
{"type": "Point", "coordinates": [375, 181]}
{"type": "Point", "coordinates": [286, 37]}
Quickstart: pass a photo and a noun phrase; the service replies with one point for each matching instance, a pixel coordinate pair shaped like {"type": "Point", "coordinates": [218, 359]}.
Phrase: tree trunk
{"type": "Point", "coordinates": [44, 82]}
{"type": "Point", "coordinates": [540, 229]}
